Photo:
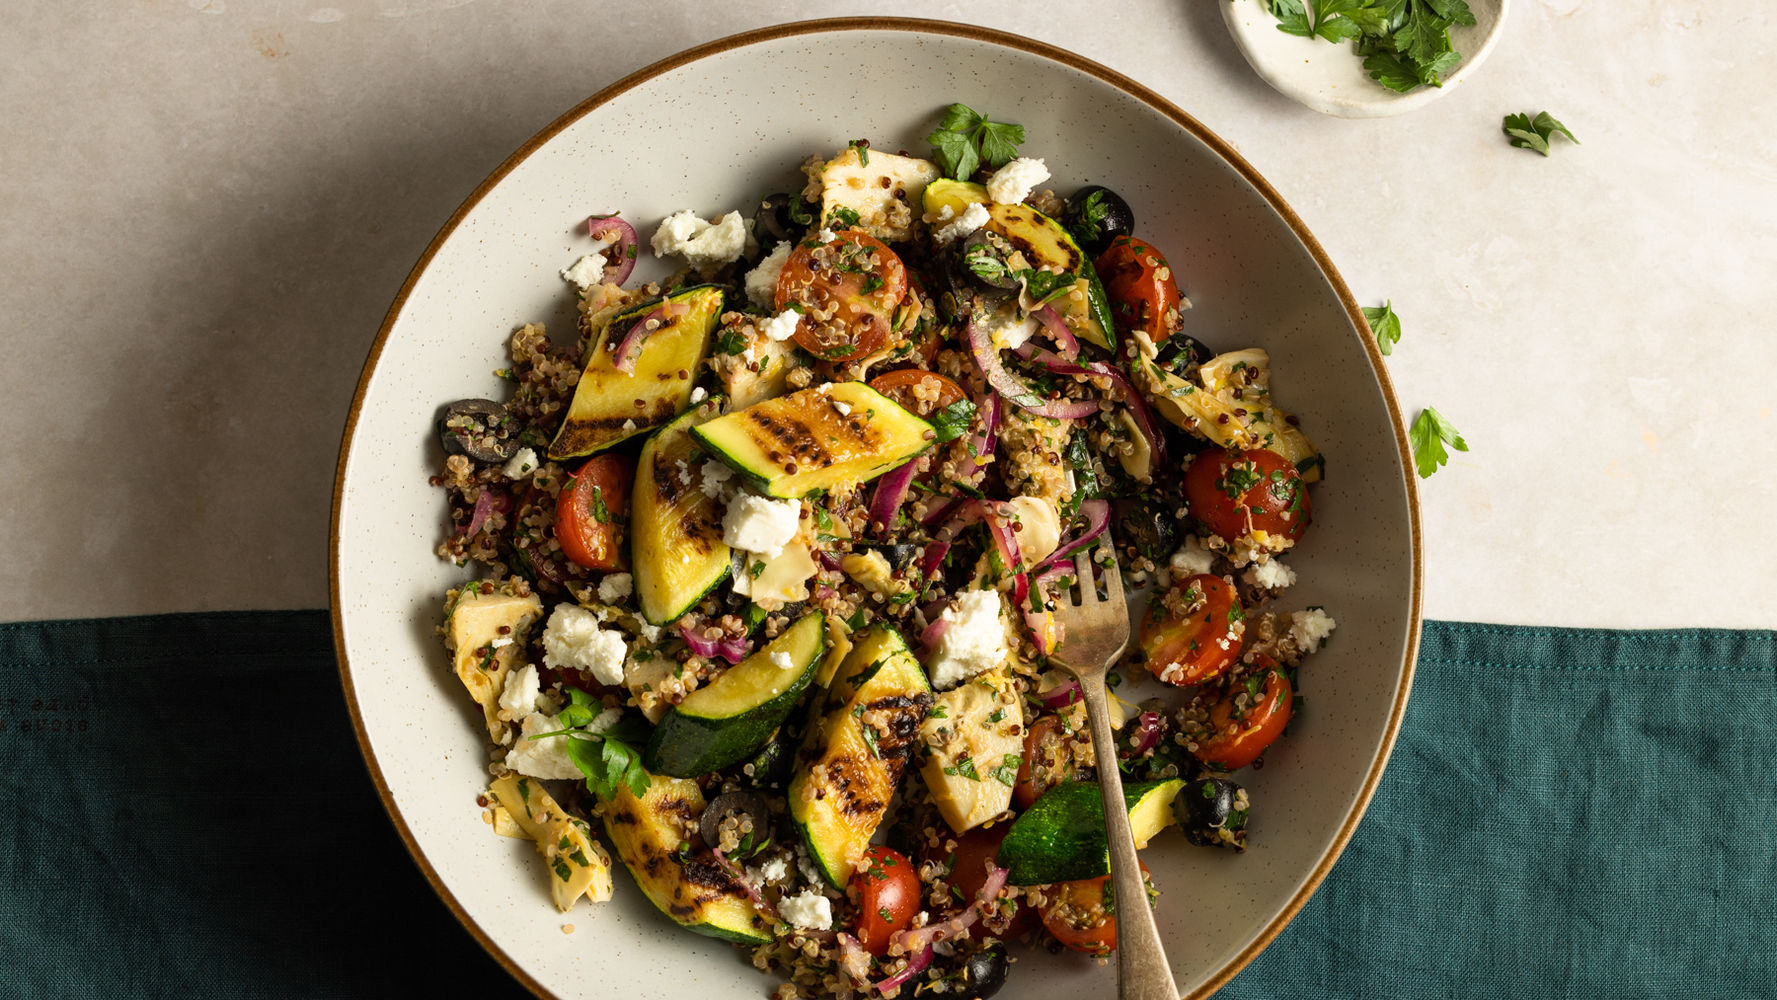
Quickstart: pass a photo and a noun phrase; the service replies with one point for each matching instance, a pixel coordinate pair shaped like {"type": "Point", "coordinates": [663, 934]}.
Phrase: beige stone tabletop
{"type": "Point", "coordinates": [209, 204]}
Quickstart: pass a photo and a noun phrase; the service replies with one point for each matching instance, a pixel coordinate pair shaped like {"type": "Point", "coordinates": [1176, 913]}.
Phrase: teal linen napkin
{"type": "Point", "coordinates": [1568, 813]}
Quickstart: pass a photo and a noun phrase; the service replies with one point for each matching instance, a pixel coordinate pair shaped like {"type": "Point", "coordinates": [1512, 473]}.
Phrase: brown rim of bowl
{"type": "Point", "coordinates": [917, 25]}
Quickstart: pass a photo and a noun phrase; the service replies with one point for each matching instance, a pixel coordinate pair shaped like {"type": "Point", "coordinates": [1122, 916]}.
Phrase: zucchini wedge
{"type": "Point", "coordinates": [688, 886]}
{"type": "Point", "coordinates": [854, 755]}
{"type": "Point", "coordinates": [735, 715]}
{"type": "Point", "coordinates": [578, 865]}
{"type": "Point", "coordinates": [675, 529]}
{"type": "Point", "coordinates": [826, 436]}
{"type": "Point", "coordinates": [1061, 838]}
{"type": "Point", "coordinates": [1046, 244]}
{"type": "Point", "coordinates": [610, 406]}
{"type": "Point", "coordinates": [957, 196]}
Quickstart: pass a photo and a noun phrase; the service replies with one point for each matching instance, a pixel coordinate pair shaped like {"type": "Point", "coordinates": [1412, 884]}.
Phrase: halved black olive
{"type": "Point", "coordinates": [1095, 216]}
{"type": "Point", "coordinates": [1146, 526]}
{"type": "Point", "coordinates": [983, 258]}
{"type": "Point", "coordinates": [1182, 354]}
{"type": "Point", "coordinates": [900, 556]}
{"type": "Point", "coordinates": [736, 804]}
{"type": "Point", "coordinates": [775, 222]}
{"type": "Point", "coordinates": [983, 974]}
{"type": "Point", "coordinates": [1205, 811]}
{"type": "Point", "coordinates": [480, 429]}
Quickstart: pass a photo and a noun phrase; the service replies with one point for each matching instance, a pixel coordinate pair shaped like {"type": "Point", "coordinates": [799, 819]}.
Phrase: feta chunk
{"type": "Point", "coordinates": [615, 587]}
{"type": "Point", "coordinates": [705, 246]}
{"type": "Point", "coordinates": [573, 640]}
{"type": "Point", "coordinates": [545, 758]}
{"type": "Point", "coordinates": [974, 640]}
{"type": "Point", "coordinates": [1015, 334]}
{"type": "Point", "coordinates": [714, 475]}
{"type": "Point", "coordinates": [521, 464]}
{"type": "Point", "coordinates": [808, 910]}
{"type": "Point", "coordinates": [1014, 182]}
{"type": "Point", "coordinates": [587, 271]}
{"type": "Point", "coordinates": [782, 660]}
{"type": "Point", "coordinates": [781, 326]}
{"type": "Point", "coordinates": [1192, 559]}
{"type": "Point", "coordinates": [519, 696]}
{"type": "Point", "coordinates": [826, 235]}
{"type": "Point", "coordinates": [775, 870]}
{"type": "Point", "coordinates": [762, 279]}
{"type": "Point", "coordinates": [1271, 574]}
{"type": "Point", "coordinates": [1311, 628]}
{"type": "Point", "coordinates": [760, 525]}
{"type": "Point", "coordinates": [698, 395]}
{"type": "Point", "coordinates": [973, 218]}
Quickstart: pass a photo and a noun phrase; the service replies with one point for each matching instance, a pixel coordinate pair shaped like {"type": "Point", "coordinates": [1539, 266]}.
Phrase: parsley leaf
{"type": "Point", "coordinates": [1428, 435]}
{"type": "Point", "coordinates": [952, 421]}
{"type": "Point", "coordinates": [1534, 133]}
{"type": "Point", "coordinates": [965, 139]}
{"type": "Point", "coordinates": [1292, 17]}
{"type": "Point", "coordinates": [1405, 44]}
{"type": "Point", "coordinates": [1385, 325]}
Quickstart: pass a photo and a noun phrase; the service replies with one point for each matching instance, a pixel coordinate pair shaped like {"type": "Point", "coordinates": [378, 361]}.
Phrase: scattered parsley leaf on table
{"type": "Point", "coordinates": [1428, 436]}
{"type": "Point", "coordinates": [1534, 133]}
{"type": "Point", "coordinates": [1385, 325]}
{"type": "Point", "coordinates": [965, 139]}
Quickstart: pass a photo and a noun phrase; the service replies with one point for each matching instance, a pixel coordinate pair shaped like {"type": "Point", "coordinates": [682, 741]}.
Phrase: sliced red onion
{"type": "Point", "coordinates": [916, 939]}
{"type": "Point", "coordinates": [987, 357]}
{"type": "Point", "coordinates": [734, 871]}
{"type": "Point", "coordinates": [623, 246]}
{"type": "Point", "coordinates": [934, 633]}
{"type": "Point", "coordinates": [484, 505]}
{"type": "Point", "coordinates": [630, 348]}
{"type": "Point", "coordinates": [1147, 733]}
{"type": "Point", "coordinates": [982, 441]}
{"type": "Point", "coordinates": [915, 965]}
{"type": "Point", "coordinates": [823, 592]}
{"type": "Point", "coordinates": [1138, 408]}
{"type": "Point", "coordinates": [1006, 542]}
{"type": "Point", "coordinates": [891, 492]}
{"type": "Point", "coordinates": [854, 961]}
{"type": "Point", "coordinates": [1057, 328]}
{"type": "Point", "coordinates": [732, 650]}
{"type": "Point", "coordinates": [1063, 696]}
{"type": "Point", "coordinates": [1098, 517]}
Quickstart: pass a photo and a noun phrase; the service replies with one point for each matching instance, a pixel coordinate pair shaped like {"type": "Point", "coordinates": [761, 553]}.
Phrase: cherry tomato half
{"type": "Point", "coordinates": [1144, 294]}
{"type": "Point", "coordinates": [906, 386]}
{"type": "Point", "coordinates": [1195, 632]}
{"type": "Point", "coordinates": [888, 897]}
{"type": "Point", "coordinates": [1083, 914]}
{"type": "Point", "coordinates": [977, 852]}
{"type": "Point", "coordinates": [1239, 735]}
{"type": "Point", "coordinates": [1042, 742]}
{"type": "Point", "coordinates": [847, 290]}
{"type": "Point", "coordinates": [1234, 495]}
{"type": "Point", "coordinates": [591, 512]}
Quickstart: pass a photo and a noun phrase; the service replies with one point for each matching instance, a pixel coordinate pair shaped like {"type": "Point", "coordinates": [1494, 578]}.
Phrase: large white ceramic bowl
{"type": "Point", "coordinates": [711, 129]}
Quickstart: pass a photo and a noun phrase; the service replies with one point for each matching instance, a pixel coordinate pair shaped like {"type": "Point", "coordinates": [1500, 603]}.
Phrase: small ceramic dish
{"type": "Point", "coordinates": [1330, 78]}
{"type": "Point", "coordinates": [712, 129]}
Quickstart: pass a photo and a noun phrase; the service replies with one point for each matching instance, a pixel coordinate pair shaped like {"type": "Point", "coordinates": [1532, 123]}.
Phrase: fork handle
{"type": "Point", "coordinates": [1142, 969]}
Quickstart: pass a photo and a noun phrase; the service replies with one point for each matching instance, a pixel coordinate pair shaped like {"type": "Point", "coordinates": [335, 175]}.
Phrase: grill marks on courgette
{"type": "Point", "coordinates": [815, 439]}
{"type": "Point", "coordinates": [675, 527]}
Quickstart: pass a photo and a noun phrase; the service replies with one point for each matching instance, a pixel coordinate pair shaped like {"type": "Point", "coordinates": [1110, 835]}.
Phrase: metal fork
{"type": "Point", "coordinates": [1094, 634]}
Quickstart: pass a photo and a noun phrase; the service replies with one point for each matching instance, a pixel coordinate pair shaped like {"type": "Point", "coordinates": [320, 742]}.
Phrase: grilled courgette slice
{"type": "Point", "coordinates": [1061, 838]}
{"type": "Point", "coordinates": [686, 885]}
{"type": "Point", "coordinates": [854, 756]}
{"type": "Point", "coordinates": [728, 720]}
{"type": "Point", "coordinates": [838, 434]}
{"type": "Point", "coordinates": [610, 406]}
{"type": "Point", "coordinates": [1046, 244]}
{"type": "Point", "coordinates": [675, 528]}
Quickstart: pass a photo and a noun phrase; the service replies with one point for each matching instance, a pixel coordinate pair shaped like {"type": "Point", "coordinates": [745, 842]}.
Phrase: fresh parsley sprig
{"type": "Point", "coordinates": [965, 139]}
{"type": "Point", "coordinates": [1526, 132]}
{"type": "Point", "coordinates": [952, 421]}
{"type": "Point", "coordinates": [1405, 44]}
{"type": "Point", "coordinates": [1428, 436]}
{"type": "Point", "coordinates": [606, 758]}
{"type": "Point", "coordinates": [1385, 325]}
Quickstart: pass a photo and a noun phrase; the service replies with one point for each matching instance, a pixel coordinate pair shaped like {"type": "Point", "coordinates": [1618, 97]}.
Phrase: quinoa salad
{"type": "Point", "coordinates": [766, 562]}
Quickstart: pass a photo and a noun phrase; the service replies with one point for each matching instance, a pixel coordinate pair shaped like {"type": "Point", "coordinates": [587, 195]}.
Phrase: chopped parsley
{"type": "Point", "coordinates": [952, 421]}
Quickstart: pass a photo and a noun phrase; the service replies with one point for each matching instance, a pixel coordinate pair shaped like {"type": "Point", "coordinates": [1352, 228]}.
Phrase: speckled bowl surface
{"type": "Point", "coordinates": [711, 129]}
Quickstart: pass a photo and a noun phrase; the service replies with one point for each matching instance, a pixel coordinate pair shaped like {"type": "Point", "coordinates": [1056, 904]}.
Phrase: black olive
{"type": "Point", "coordinates": [983, 259]}
{"type": "Point", "coordinates": [983, 974]}
{"type": "Point", "coordinates": [772, 221]}
{"type": "Point", "coordinates": [736, 804]}
{"type": "Point", "coordinates": [1095, 216]}
{"type": "Point", "coordinates": [900, 557]}
{"type": "Point", "coordinates": [1182, 354]}
{"type": "Point", "coordinates": [1205, 811]}
{"type": "Point", "coordinates": [1147, 525]}
{"type": "Point", "coordinates": [480, 429]}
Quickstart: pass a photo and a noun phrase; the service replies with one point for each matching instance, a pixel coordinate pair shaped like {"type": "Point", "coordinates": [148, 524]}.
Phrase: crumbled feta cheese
{"type": "Point", "coordinates": [649, 633]}
{"type": "Point", "coordinates": [1271, 574]}
{"type": "Point", "coordinates": [973, 218]}
{"type": "Point", "coordinates": [782, 660]}
{"type": "Point", "coordinates": [573, 639]}
{"type": "Point", "coordinates": [605, 720]}
{"type": "Point", "coordinates": [587, 271]}
{"type": "Point", "coordinates": [501, 642]}
{"type": "Point", "coordinates": [762, 279]}
{"type": "Point", "coordinates": [545, 758]}
{"type": "Point", "coordinates": [629, 425]}
{"type": "Point", "coordinates": [698, 395]}
{"type": "Point", "coordinates": [760, 525]}
{"type": "Point", "coordinates": [974, 639]}
{"type": "Point", "coordinates": [1014, 335]}
{"type": "Point", "coordinates": [1192, 559]}
{"type": "Point", "coordinates": [781, 326]}
{"type": "Point", "coordinates": [615, 587]}
{"type": "Point", "coordinates": [704, 246]}
{"type": "Point", "coordinates": [775, 870]}
{"type": "Point", "coordinates": [808, 910]}
{"type": "Point", "coordinates": [811, 873]}
{"type": "Point", "coordinates": [521, 464]}
{"type": "Point", "coordinates": [714, 475]}
{"type": "Point", "coordinates": [519, 696]}
{"type": "Point", "coordinates": [1310, 628]}
{"type": "Point", "coordinates": [843, 407]}
{"type": "Point", "coordinates": [826, 235]}
{"type": "Point", "coordinates": [1014, 182]}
